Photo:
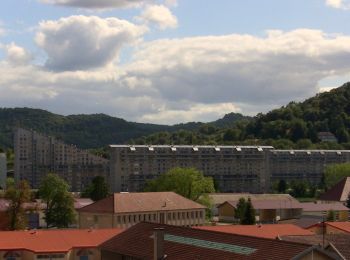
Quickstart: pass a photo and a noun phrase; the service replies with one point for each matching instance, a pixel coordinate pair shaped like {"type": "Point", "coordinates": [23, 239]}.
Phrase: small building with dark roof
{"type": "Point", "coordinates": [339, 192]}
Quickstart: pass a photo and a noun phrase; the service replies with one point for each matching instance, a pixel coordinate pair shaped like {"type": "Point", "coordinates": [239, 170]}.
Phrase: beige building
{"type": "Point", "coordinates": [267, 211]}
{"type": "Point", "coordinates": [124, 210]}
{"type": "Point", "coordinates": [36, 155]}
{"type": "Point", "coordinates": [234, 168]}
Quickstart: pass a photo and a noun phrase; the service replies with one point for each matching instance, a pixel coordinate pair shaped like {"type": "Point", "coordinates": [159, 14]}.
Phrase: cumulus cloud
{"type": "Point", "coordinates": [85, 42]}
{"type": "Point", "coordinates": [241, 68]}
{"type": "Point", "coordinates": [98, 4]}
{"type": "Point", "coordinates": [339, 4]}
{"type": "Point", "coordinates": [16, 55]}
{"type": "Point", "coordinates": [189, 79]}
{"type": "Point", "coordinates": [159, 15]}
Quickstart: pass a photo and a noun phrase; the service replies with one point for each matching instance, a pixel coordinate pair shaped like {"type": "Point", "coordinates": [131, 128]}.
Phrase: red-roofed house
{"type": "Point", "coordinates": [155, 241]}
{"type": "Point", "coordinates": [339, 192]}
{"type": "Point", "coordinates": [70, 244]}
{"type": "Point", "coordinates": [331, 227]}
{"type": "Point", "coordinates": [266, 231]}
{"type": "Point", "coordinates": [126, 209]}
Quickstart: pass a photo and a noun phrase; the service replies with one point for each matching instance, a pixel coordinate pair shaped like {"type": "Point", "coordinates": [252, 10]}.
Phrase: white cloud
{"type": "Point", "coordinates": [85, 42]}
{"type": "Point", "coordinates": [193, 112]}
{"type": "Point", "coordinates": [190, 79]}
{"type": "Point", "coordinates": [98, 4]}
{"type": "Point", "coordinates": [16, 55]}
{"type": "Point", "coordinates": [159, 15]}
{"type": "Point", "coordinates": [339, 4]}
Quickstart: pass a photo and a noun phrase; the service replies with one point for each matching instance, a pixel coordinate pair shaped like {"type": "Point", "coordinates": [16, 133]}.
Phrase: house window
{"type": "Point", "coordinates": [95, 219]}
{"type": "Point", "coordinates": [84, 254]}
{"type": "Point", "coordinates": [12, 256]}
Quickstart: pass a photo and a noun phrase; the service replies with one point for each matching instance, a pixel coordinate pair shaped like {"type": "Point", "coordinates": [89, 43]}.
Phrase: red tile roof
{"type": "Point", "coordinates": [54, 241]}
{"type": "Point", "coordinates": [343, 226]}
{"type": "Point", "coordinates": [314, 207]}
{"type": "Point", "coordinates": [341, 242]}
{"type": "Point", "coordinates": [339, 192]}
{"type": "Point", "coordinates": [267, 231]}
{"type": "Point", "coordinates": [137, 242]}
{"type": "Point", "coordinates": [142, 202]}
{"type": "Point", "coordinates": [270, 204]}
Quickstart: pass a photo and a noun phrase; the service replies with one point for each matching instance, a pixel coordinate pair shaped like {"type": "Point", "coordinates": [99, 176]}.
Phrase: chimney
{"type": "Point", "coordinates": [158, 242]}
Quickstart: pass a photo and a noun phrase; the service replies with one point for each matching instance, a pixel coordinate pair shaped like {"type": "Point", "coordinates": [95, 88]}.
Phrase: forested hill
{"type": "Point", "coordinates": [293, 126]}
{"type": "Point", "coordinates": [85, 131]}
{"type": "Point", "coordinates": [326, 112]}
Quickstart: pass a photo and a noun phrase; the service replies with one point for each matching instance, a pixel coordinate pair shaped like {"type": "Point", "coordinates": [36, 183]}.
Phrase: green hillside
{"type": "Point", "coordinates": [293, 126]}
{"type": "Point", "coordinates": [85, 131]}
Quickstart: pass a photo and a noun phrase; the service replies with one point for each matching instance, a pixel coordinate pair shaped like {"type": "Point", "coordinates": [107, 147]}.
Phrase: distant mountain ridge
{"type": "Point", "coordinates": [294, 126]}
{"type": "Point", "coordinates": [85, 131]}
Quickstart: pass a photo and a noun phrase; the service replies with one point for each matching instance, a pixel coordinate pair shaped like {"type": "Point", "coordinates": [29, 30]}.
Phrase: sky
{"type": "Point", "coordinates": [170, 61]}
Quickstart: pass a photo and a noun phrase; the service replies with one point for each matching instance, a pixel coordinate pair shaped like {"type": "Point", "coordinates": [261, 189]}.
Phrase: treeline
{"type": "Point", "coordinates": [295, 126]}
{"type": "Point", "coordinates": [88, 131]}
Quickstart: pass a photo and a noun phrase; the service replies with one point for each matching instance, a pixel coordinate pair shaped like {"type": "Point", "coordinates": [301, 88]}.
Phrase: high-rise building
{"type": "Point", "coordinates": [37, 155]}
{"type": "Point", "coordinates": [234, 168]}
{"type": "Point", "coordinates": [3, 170]}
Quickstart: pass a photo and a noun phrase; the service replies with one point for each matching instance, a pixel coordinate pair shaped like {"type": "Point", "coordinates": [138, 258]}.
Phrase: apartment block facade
{"type": "Point", "coordinates": [37, 155]}
{"type": "Point", "coordinates": [3, 170]}
{"type": "Point", "coordinates": [234, 168]}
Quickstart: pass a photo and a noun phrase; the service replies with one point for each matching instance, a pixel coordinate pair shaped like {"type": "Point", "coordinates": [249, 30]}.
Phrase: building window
{"type": "Point", "coordinates": [12, 256]}
{"type": "Point", "coordinates": [95, 219]}
{"type": "Point", "coordinates": [51, 256]}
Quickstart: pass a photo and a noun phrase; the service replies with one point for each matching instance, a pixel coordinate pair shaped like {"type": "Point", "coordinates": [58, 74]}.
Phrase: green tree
{"type": "Point", "coordinates": [17, 196]}
{"type": "Point", "coordinates": [282, 186]}
{"type": "Point", "coordinates": [335, 173]}
{"type": "Point", "coordinates": [97, 190]}
{"type": "Point", "coordinates": [331, 216]}
{"type": "Point", "coordinates": [240, 209]}
{"type": "Point", "coordinates": [249, 214]}
{"type": "Point", "coordinates": [187, 182]}
{"type": "Point", "coordinates": [59, 210]}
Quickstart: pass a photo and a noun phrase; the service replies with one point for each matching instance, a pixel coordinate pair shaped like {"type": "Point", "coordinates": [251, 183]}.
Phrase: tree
{"type": "Point", "coordinates": [282, 186]}
{"type": "Point", "coordinates": [249, 214]}
{"type": "Point", "coordinates": [331, 216]}
{"type": "Point", "coordinates": [17, 196]}
{"type": "Point", "coordinates": [335, 173]}
{"type": "Point", "coordinates": [97, 190]}
{"type": "Point", "coordinates": [59, 210]}
{"type": "Point", "coordinates": [187, 182]}
{"type": "Point", "coordinates": [240, 209]}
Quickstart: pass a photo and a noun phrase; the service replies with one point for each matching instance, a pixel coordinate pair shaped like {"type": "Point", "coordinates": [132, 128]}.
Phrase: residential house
{"type": "Point", "coordinates": [148, 241]}
{"type": "Point", "coordinates": [70, 244]}
{"type": "Point", "coordinates": [126, 209]}
{"type": "Point", "coordinates": [219, 198]}
{"type": "Point", "coordinates": [330, 228]}
{"type": "Point", "coordinates": [271, 231]}
{"type": "Point", "coordinates": [267, 211]}
{"type": "Point", "coordinates": [333, 243]}
{"type": "Point", "coordinates": [321, 210]}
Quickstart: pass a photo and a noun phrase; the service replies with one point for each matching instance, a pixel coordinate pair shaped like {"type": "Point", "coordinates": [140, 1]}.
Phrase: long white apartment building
{"type": "Point", "coordinates": [234, 168]}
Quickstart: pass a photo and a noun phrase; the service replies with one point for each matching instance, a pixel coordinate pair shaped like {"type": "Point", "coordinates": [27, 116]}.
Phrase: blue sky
{"type": "Point", "coordinates": [170, 61]}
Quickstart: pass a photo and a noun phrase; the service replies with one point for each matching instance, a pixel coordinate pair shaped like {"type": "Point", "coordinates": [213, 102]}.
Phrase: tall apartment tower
{"type": "Point", "coordinates": [3, 170]}
{"type": "Point", "coordinates": [37, 155]}
{"type": "Point", "coordinates": [234, 168]}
